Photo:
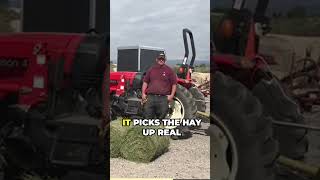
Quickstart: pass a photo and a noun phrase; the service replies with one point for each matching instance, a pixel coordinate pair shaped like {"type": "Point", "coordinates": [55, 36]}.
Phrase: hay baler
{"type": "Point", "coordinates": [53, 103]}
{"type": "Point", "coordinates": [125, 86]}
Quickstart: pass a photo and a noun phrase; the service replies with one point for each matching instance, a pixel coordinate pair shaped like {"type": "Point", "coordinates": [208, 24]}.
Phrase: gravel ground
{"type": "Point", "coordinates": [313, 155]}
{"type": "Point", "coordinates": [186, 159]}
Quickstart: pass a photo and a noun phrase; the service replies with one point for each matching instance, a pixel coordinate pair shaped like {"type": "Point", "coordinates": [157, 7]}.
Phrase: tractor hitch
{"type": "Point", "coordinates": [308, 170]}
{"type": "Point", "coordinates": [278, 123]}
{"type": "Point", "coordinates": [295, 125]}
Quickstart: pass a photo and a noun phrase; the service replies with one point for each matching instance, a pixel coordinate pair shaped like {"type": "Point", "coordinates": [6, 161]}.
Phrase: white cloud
{"type": "Point", "coordinates": [159, 23]}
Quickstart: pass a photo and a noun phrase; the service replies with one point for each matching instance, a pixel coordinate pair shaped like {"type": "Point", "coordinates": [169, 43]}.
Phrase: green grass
{"type": "Point", "coordinates": [130, 144]}
{"type": "Point", "coordinates": [202, 69]}
{"type": "Point", "coordinates": [198, 68]}
{"type": "Point", "coordinates": [143, 149]}
{"type": "Point", "coordinates": [297, 26]}
{"type": "Point", "coordinates": [117, 134]}
{"type": "Point", "coordinates": [309, 26]}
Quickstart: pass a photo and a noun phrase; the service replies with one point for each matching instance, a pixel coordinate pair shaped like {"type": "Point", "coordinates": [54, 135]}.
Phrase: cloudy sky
{"type": "Point", "coordinates": [159, 23]}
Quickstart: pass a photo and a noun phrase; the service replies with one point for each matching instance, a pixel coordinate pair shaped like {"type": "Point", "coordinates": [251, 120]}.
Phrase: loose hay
{"type": "Point", "coordinates": [117, 134]}
{"type": "Point", "coordinates": [139, 148]}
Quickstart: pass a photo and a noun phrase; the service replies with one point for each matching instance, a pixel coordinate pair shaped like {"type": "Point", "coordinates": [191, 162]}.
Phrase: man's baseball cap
{"type": "Point", "coordinates": [161, 55]}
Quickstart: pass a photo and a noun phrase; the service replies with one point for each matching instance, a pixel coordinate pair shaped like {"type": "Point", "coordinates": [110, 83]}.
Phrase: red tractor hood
{"type": "Point", "coordinates": [126, 74]}
{"type": "Point", "coordinates": [18, 47]}
{"type": "Point", "coordinates": [22, 45]}
{"type": "Point", "coordinates": [54, 40]}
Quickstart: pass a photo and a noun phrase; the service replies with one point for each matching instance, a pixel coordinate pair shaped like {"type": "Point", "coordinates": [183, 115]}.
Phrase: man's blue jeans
{"type": "Point", "coordinates": [156, 107]}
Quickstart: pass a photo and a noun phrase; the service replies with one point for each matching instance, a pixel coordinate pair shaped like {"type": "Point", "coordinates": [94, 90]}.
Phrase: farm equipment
{"type": "Point", "coordinates": [303, 81]}
{"type": "Point", "coordinates": [247, 98]}
{"type": "Point", "coordinates": [125, 88]}
{"type": "Point", "coordinates": [52, 112]}
{"type": "Point", "coordinates": [53, 96]}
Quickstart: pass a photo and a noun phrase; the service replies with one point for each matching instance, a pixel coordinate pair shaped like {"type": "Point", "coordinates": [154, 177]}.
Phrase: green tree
{"type": "Point", "coordinates": [298, 11]}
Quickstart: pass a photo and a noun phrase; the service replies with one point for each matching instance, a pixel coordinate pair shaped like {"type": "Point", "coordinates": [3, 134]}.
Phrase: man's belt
{"type": "Point", "coordinates": [156, 95]}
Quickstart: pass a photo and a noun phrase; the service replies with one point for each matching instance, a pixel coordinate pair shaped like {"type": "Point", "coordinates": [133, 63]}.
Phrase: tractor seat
{"type": "Point", "coordinates": [138, 81]}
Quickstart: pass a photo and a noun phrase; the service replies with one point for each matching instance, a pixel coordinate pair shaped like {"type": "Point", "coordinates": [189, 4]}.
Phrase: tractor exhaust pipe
{"type": "Point", "coordinates": [186, 47]}
{"type": "Point", "coordinates": [261, 9]}
{"type": "Point", "coordinates": [238, 4]}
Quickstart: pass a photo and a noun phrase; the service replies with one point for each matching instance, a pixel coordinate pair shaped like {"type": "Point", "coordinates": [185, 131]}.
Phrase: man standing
{"type": "Point", "coordinates": [158, 89]}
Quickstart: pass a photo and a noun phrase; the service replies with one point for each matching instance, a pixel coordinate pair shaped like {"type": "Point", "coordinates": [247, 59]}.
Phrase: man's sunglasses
{"type": "Point", "coordinates": [161, 59]}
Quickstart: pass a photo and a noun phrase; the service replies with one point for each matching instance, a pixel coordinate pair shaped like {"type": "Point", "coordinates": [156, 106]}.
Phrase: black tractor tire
{"type": "Point", "coordinates": [189, 108]}
{"type": "Point", "coordinates": [86, 73]}
{"type": "Point", "coordinates": [242, 115]}
{"type": "Point", "coordinates": [197, 95]}
{"type": "Point", "coordinates": [293, 142]}
{"type": "Point", "coordinates": [188, 102]}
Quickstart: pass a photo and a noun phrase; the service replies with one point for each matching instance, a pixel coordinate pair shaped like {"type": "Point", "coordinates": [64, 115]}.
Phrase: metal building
{"type": "Point", "coordinates": [65, 15]}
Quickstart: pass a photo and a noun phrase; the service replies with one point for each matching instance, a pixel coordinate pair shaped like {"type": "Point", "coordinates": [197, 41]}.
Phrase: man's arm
{"type": "Point", "coordinates": [144, 88]}
{"type": "Point", "coordinates": [146, 81]}
{"type": "Point", "coordinates": [144, 95]}
{"type": "Point", "coordinates": [173, 90]}
{"type": "Point", "coordinates": [173, 86]}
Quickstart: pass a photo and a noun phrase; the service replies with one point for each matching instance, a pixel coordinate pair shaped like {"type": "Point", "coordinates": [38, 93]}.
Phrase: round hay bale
{"type": "Point", "coordinates": [117, 134]}
{"type": "Point", "coordinates": [144, 149]}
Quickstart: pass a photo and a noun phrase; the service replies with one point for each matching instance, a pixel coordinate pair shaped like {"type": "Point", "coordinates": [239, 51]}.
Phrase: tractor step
{"type": "Point", "coordinates": [134, 106]}
{"type": "Point", "coordinates": [83, 176]}
{"type": "Point", "coordinates": [76, 141]}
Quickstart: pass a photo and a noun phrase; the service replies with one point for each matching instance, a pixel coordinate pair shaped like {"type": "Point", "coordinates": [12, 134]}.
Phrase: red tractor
{"type": "Point", "coordinates": [125, 86]}
{"type": "Point", "coordinates": [247, 98]}
{"type": "Point", "coordinates": [53, 115]}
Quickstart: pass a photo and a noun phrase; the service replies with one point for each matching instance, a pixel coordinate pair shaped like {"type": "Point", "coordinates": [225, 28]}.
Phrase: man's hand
{"type": "Point", "coordinates": [170, 98]}
{"type": "Point", "coordinates": [144, 95]}
{"type": "Point", "coordinates": [144, 98]}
